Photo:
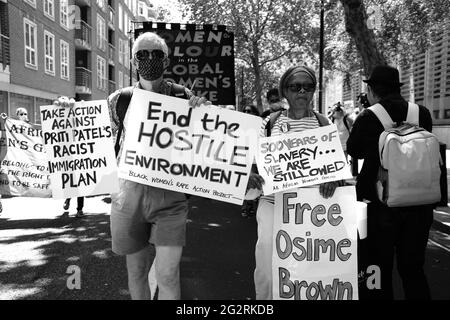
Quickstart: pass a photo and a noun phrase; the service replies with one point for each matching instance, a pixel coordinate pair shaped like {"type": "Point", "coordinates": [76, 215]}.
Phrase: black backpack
{"type": "Point", "coordinates": [176, 90]}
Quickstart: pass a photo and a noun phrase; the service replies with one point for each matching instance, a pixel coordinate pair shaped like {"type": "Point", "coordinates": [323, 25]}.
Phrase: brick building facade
{"type": "Point", "coordinates": [78, 48]}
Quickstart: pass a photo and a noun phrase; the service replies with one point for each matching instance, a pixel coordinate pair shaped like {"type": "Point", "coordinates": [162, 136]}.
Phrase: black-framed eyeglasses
{"type": "Point", "coordinates": [146, 54]}
{"type": "Point", "coordinates": [296, 87]}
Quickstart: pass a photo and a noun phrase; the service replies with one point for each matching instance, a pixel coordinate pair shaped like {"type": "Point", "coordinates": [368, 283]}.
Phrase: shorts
{"type": "Point", "coordinates": [142, 214]}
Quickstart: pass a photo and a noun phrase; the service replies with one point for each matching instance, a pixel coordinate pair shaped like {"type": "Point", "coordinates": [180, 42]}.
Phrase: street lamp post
{"type": "Point", "coordinates": [321, 49]}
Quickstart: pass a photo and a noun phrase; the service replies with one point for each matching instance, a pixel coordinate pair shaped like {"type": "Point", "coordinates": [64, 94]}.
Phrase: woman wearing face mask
{"type": "Point", "coordinates": [298, 85]}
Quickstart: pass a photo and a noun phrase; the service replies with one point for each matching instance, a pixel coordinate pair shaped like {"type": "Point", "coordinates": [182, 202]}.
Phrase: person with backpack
{"type": "Point", "coordinates": [399, 213]}
{"type": "Point", "coordinates": [297, 85]}
{"type": "Point", "coordinates": [141, 214]}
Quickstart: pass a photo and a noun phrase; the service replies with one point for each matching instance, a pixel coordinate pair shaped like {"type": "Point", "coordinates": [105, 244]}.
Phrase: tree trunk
{"type": "Point", "coordinates": [356, 26]}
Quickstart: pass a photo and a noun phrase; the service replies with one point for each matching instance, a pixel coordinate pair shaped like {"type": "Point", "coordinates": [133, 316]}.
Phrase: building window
{"type": "Point", "coordinates": [49, 40]}
{"type": "Point", "coordinates": [31, 3]}
{"type": "Point", "coordinates": [65, 58]}
{"type": "Point", "coordinates": [101, 33]}
{"type": "Point", "coordinates": [30, 35]}
{"type": "Point", "coordinates": [141, 9]}
{"type": "Point", "coordinates": [126, 54]}
{"type": "Point", "coordinates": [101, 73]}
{"type": "Point", "coordinates": [120, 79]}
{"type": "Point", "coordinates": [120, 17]}
{"type": "Point", "coordinates": [121, 50]}
{"type": "Point", "coordinates": [49, 9]}
{"type": "Point", "coordinates": [64, 14]}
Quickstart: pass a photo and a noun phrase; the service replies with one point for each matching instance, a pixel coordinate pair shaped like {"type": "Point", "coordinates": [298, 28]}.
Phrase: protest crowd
{"type": "Point", "coordinates": [289, 167]}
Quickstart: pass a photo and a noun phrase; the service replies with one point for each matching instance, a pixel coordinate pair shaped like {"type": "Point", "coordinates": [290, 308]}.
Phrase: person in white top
{"type": "Point", "coordinates": [297, 86]}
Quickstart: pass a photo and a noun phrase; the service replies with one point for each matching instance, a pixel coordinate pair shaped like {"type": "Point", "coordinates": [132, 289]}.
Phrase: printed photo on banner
{"type": "Point", "coordinates": [205, 151]}
{"type": "Point", "coordinates": [80, 149]}
{"type": "Point", "coordinates": [315, 247]}
{"type": "Point", "coordinates": [301, 159]}
{"type": "Point", "coordinates": [201, 58]}
{"type": "Point", "coordinates": [23, 169]}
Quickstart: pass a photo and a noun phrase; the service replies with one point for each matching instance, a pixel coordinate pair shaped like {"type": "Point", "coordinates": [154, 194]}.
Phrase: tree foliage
{"type": "Point", "coordinates": [273, 34]}
{"type": "Point", "coordinates": [403, 28]}
{"type": "Point", "coordinates": [267, 33]}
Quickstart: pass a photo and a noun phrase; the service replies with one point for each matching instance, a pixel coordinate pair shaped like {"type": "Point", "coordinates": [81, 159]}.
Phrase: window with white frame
{"type": "Point", "coordinates": [101, 73]}
{"type": "Point", "coordinates": [49, 9]}
{"type": "Point", "coordinates": [120, 17]}
{"type": "Point", "coordinates": [65, 58]}
{"type": "Point", "coordinates": [49, 48]}
{"type": "Point", "coordinates": [121, 50]}
{"type": "Point", "coordinates": [120, 79]}
{"type": "Point", "coordinates": [64, 13]}
{"type": "Point", "coordinates": [30, 35]}
{"type": "Point", "coordinates": [31, 3]}
{"type": "Point", "coordinates": [101, 33]}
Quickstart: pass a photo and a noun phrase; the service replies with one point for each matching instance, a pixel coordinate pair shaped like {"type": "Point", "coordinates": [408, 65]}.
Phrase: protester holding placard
{"type": "Point", "coordinates": [142, 213]}
{"type": "Point", "coordinates": [297, 85]}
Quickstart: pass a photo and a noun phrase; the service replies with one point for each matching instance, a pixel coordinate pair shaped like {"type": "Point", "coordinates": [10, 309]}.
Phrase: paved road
{"type": "Point", "coordinates": [37, 245]}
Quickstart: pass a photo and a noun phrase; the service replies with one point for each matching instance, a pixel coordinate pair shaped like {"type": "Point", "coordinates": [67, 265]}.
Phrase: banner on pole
{"type": "Point", "coordinates": [23, 170]}
{"type": "Point", "coordinates": [201, 58]}
{"type": "Point", "coordinates": [205, 151]}
{"type": "Point", "coordinates": [80, 149]}
{"type": "Point", "coordinates": [315, 247]}
{"type": "Point", "coordinates": [301, 159]}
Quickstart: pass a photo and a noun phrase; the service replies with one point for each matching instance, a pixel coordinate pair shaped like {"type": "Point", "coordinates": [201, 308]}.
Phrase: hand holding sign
{"type": "Point", "coordinates": [64, 102]}
{"type": "Point", "coordinates": [195, 101]}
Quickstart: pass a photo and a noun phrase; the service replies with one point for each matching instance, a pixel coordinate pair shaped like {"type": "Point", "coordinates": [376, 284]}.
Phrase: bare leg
{"type": "Point", "coordinates": [168, 272]}
{"type": "Point", "coordinates": [138, 266]}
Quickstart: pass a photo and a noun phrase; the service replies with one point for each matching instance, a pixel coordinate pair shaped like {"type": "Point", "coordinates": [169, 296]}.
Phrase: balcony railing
{"type": "Point", "coordinates": [4, 51]}
{"type": "Point", "coordinates": [83, 36]}
{"type": "Point", "coordinates": [112, 17]}
{"type": "Point", "coordinates": [112, 54]}
{"type": "Point", "coordinates": [83, 80]}
{"type": "Point", "coordinates": [112, 86]}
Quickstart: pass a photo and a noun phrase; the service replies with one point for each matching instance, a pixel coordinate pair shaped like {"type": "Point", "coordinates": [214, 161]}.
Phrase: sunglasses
{"type": "Point", "coordinates": [296, 87]}
{"type": "Point", "coordinates": [146, 54]}
{"type": "Point", "coordinates": [23, 114]}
